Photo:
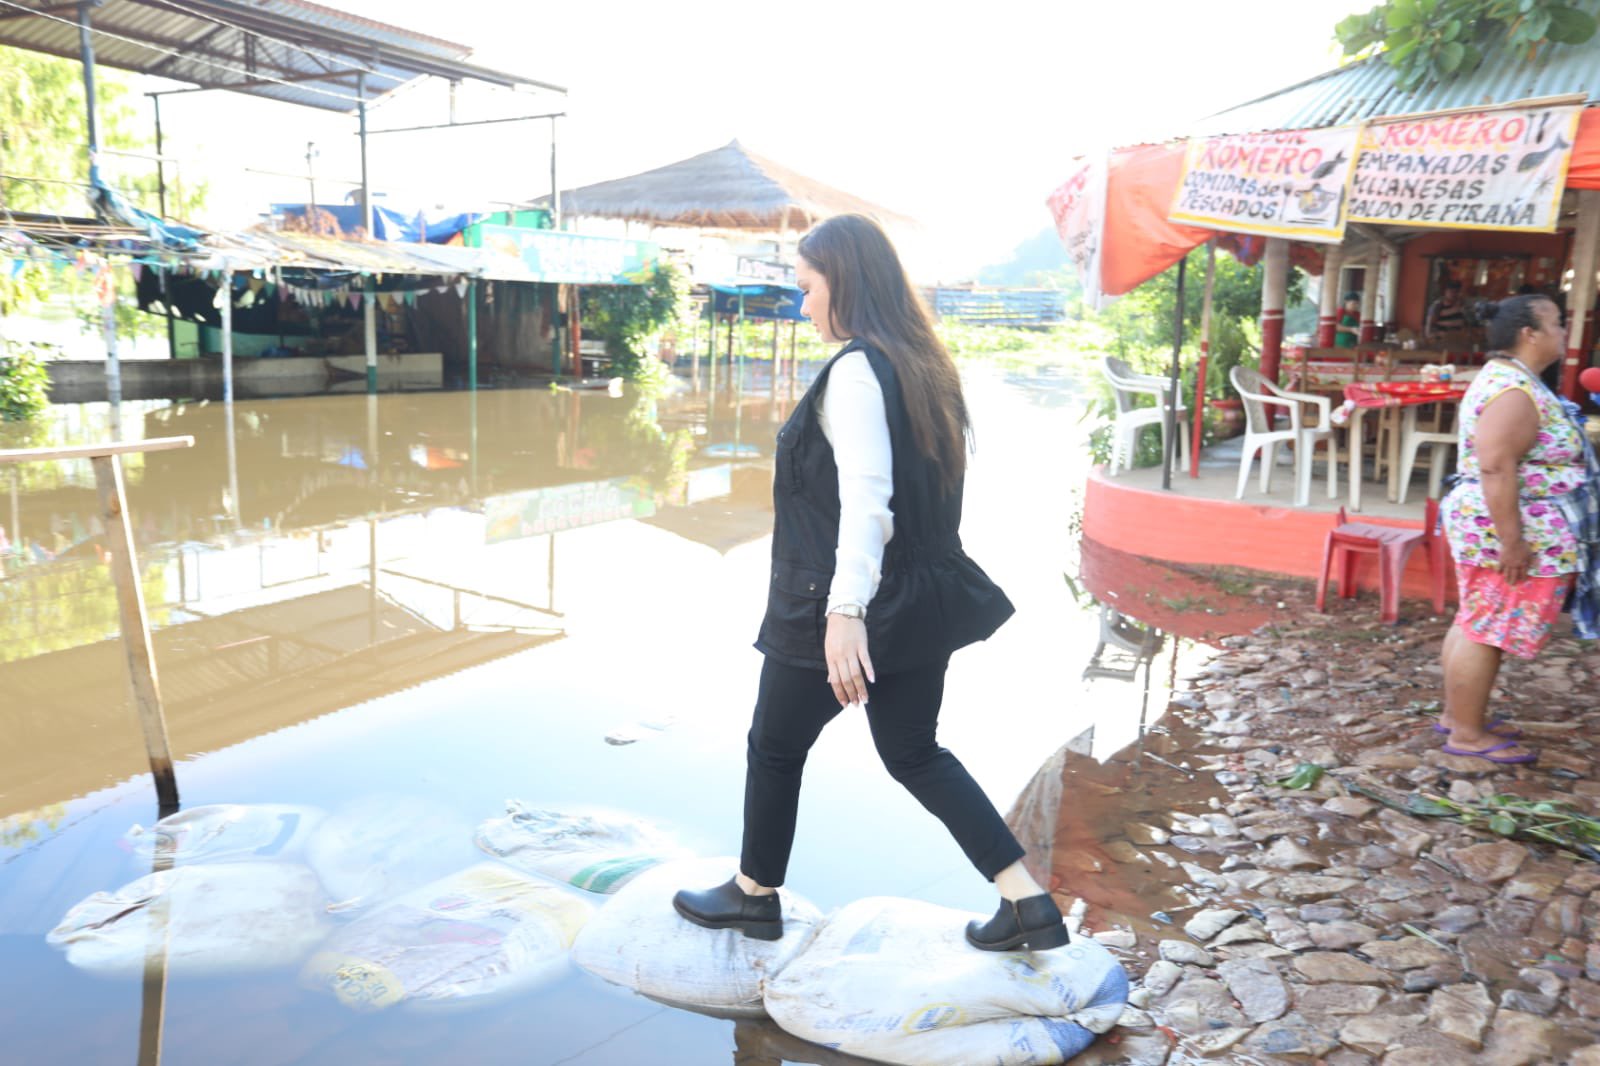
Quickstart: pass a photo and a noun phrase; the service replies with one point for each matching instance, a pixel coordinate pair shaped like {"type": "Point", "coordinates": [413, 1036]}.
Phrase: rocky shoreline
{"type": "Point", "coordinates": [1271, 913]}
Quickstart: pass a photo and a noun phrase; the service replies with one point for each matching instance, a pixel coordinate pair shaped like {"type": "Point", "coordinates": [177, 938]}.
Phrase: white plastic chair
{"type": "Point", "coordinates": [1413, 440]}
{"type": "Point", "coordinates": [1258, 394]}
{"type": "Point", "coordinates": [1128, 385]}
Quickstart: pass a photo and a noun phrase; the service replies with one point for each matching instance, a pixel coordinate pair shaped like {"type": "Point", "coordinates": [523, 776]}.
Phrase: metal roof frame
{"type": "Point", "coordinates": [1367, 90]}
{"type": "Point", "coordinates": [292, 51]}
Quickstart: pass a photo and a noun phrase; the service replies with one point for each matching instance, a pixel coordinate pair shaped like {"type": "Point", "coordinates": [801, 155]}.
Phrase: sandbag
{"type": "Point", "coordinates": [476, 934]}
{"type": "Point", "coordinates": [895, 980]}
{"type": "Point", "coordinates": [226, 918]}
{"type": "Point", "coordinates": [639, 941]}
{"type": "Point", "coordinates": [226, 832]}
{"type": "Point", "coordinates": [597, 852]}
{"type": "Point", "coordinates": [376, 848]}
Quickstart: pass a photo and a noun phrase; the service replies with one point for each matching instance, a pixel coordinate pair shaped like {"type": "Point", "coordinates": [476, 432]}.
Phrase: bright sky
{"type": "Point", "coordinates": [964, 117]}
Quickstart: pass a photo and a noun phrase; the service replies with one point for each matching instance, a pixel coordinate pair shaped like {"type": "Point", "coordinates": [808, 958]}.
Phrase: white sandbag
{"type": "Point", "coordinates": [226, 832]}
{"type": "Point", "coordinates": [895, 980]}
{"type": "Point", "coordinates": [376, 848]}
{"type": "Point", "coordinates": [226, 918]}
{"type": "Point", "coordinates": [596, 851]}
{"type": "Point", "coordinates": [638, 940]}
{"type": "Point", "coordinates": [479, 933]}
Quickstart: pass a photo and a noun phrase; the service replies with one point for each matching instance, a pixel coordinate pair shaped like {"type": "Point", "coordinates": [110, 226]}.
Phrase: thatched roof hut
{"type": "Point", "coordinates": [728, 188]}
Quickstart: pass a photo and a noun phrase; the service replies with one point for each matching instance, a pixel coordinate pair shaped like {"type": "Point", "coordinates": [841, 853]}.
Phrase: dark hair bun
{"type": "Point", "coordinates": [1487, 309]}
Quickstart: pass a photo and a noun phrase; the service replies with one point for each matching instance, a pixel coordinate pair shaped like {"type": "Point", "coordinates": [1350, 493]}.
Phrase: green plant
{"type": "Point", "coordinates": [24, 383]}
{"type": "Point", "coordinates": [627, 317]}
{"type": "Point", "coordinates": [1434, 40]}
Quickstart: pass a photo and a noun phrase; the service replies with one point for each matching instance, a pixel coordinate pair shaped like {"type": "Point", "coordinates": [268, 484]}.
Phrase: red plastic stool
{"type": "Point", "coordinates": [1348, 541]}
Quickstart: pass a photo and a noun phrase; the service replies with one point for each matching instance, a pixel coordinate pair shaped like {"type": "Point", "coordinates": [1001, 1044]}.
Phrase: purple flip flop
{"type": "Point", "coordinates": [1488, 754]}
{"type": "Point", "coordinates": [1498, 725]}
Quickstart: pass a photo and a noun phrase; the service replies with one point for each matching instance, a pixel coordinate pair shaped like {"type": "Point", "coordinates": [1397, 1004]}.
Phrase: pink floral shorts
{"type": "Point", "coordinates": [1514, 618]}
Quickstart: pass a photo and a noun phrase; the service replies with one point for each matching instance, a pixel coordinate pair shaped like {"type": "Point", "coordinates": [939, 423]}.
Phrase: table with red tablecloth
{"type": "Point", "coordinates": [1391, 399]}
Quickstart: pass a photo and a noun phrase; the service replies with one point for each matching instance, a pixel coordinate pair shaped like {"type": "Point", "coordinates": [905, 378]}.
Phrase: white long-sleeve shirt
{"type": "Point", "coordinates": [853, 419]}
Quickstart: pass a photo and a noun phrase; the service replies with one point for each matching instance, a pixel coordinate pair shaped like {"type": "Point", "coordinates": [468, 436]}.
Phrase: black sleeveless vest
{"type": "Point", "coordinates": [932, 599]}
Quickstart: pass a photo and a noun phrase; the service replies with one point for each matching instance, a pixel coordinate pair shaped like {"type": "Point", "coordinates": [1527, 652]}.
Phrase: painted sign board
{"type": "Point", "coordinates": [1283, 183]}
{"type": "Point", "coordinates": [1502, 169]}
{"type": "Point", "coordinates": [575, 258]}
{"type": "Point", "coordinates": [558, 508]}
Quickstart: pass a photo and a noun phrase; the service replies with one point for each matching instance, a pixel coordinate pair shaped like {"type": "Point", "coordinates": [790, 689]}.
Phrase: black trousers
{"type": "Point", "coordinates": [794, 704]}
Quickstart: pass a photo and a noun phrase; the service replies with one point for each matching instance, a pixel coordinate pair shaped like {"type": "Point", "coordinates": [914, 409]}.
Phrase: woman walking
{"type": "Point", "coordinates": [1519, 520]}
{"type": "Point", "coordinates": [870, 591]}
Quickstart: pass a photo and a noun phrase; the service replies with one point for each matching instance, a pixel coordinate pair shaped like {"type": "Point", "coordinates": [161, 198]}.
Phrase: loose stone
{"type": "Point", "coordinates": [1184, 952]}
{"type": "Point", "coordinates": [1407, 953]}
{"type": "Point", "coordinates": [1329, 966]}
{"type": "Point", "coordinates": [1376, 1034]}
{"type": "Point", "coordinates": [1161, 976]}
{"type": "Point", "coordinates": [1255, 983]}
{"type": "Point", "coordinates": [1308, 887]}
{"type": "Point", "coordinates": [1145, 834]}
{"type": "Point", "coordinates": [1208, 923]}
{"type": "Point", "coordinates": [1461, 1012]}
{"type": "Point", "coordinates": [1337, 999]}
{"type": "Point", "coordinates": [1490, 863]}
{"type": "Point", "coordinates": [1519, 1039]}
{"type": "Point", "coordinates": [1337, 936]}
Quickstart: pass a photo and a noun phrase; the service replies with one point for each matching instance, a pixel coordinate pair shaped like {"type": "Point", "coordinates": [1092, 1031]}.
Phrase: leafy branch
{"type": "Point", "coordinates": [1434, 40]}
{"type": "Point", "coordinates": [1553, 822]}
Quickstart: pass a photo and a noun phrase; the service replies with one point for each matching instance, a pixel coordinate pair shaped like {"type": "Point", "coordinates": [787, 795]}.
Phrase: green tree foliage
{"type": "Point", "coordinates": [627, 317]}
{"type": "Point", "coordinates": [24, 383]}
{"type": "Point", "coordinates": [1434, 40]}
{"type": "Point", "coordinates": [1142, 321]}
{"type": "Point", "coordinates": [44, 125]}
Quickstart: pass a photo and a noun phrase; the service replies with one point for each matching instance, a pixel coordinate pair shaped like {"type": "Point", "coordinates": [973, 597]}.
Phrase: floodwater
{"type": "Point", "coordinates": [414, 607]}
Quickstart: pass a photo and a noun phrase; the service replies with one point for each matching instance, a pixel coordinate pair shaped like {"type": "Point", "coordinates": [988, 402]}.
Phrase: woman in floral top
{"type": "Point", "coordinates": [1515, 553]}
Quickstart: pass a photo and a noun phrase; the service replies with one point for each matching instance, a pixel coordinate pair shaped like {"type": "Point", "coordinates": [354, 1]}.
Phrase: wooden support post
{"type": "Point", "coordinates": [775, 324]}
{"type": "Point", "coordinates": [136, 641]}
{"type": "Point", "coordinates": [130, 595]}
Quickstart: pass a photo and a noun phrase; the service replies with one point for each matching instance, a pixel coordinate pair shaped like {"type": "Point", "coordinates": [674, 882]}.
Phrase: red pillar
{"type": "Point", "coordinates": [1369, 300]}
{"type": "Point", "coordinates": [1580, 300]}
{"type": "Point", "coordinates": [1332, 292]}
{"type": "Point", "coordinates": [1274, 286]}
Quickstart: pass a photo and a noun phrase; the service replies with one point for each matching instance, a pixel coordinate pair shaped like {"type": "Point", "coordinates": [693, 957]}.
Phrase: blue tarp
{"type": "Point", "coordinates": [389, 224]}
{"type": "Point", "coordinates": [111, 206]}
{"type": "Point", "coordinates": [760, 301]}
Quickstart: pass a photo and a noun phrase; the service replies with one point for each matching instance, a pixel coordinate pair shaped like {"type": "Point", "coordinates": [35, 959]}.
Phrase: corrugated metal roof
{"type": "Point", "coordinates": [262, 248]}
{"type": "Point", "coordinates": [1367, 90]}
{"type": "Point", "coordinates": [286, 50]}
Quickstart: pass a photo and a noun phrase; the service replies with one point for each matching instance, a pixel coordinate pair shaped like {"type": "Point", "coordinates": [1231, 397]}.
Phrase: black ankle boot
{"type": "Point", "coordinates": [729, 907]}
{"type": "Point", "coordinates": [1035, 922]}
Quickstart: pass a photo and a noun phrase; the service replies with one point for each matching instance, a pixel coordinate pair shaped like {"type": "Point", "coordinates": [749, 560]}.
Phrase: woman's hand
{"type": "Point", "coordinates": [849, 666]}
{"type": "Point", "coordinates": [1514, 560]}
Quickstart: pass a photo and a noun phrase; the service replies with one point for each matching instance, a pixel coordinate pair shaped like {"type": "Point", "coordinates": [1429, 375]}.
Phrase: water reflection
{"type": "Point", "coordinates": [447, 600]}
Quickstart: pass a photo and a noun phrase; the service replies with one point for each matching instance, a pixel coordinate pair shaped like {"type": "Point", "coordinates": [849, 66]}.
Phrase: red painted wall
{"type": "Point", "coordinates": [1185, 529]}
{"type": "Point", "coordinates": [1412, 301]}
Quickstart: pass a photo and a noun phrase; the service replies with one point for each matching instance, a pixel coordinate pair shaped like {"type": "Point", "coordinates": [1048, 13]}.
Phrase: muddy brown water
{"type": "Point", "coordinates": [439, 602]}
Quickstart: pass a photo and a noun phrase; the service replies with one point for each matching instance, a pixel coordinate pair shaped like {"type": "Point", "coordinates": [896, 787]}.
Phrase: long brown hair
{"type": "Point", "coordinates": [871, 299]}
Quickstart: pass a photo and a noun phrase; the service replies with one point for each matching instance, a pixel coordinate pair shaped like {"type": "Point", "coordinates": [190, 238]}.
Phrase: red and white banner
{"type": "Point", "coordinates": [1079, 208]}
{"type": "Point", "coordinates": [1497, 170]}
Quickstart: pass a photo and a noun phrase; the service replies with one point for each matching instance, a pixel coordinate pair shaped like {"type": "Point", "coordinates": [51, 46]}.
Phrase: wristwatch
{"type": "Point", "coordinates": [849, 610]}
